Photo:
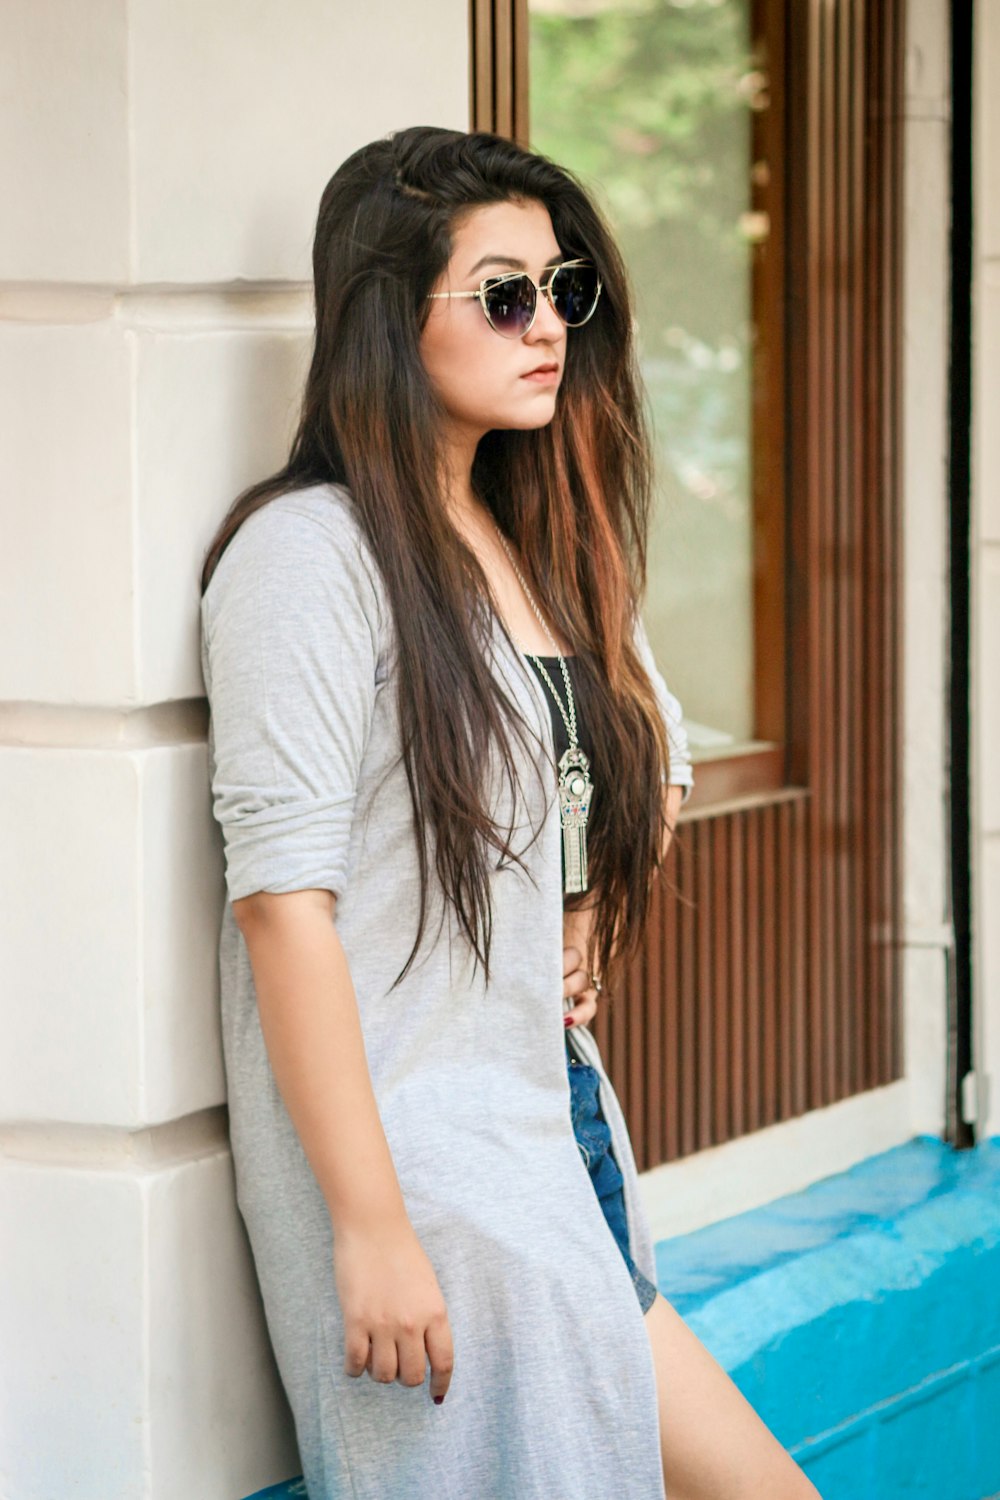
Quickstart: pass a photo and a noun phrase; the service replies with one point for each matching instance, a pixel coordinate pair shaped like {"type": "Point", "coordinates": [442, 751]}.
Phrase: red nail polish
{"type": "Point", "coordinates": [438, 1400]}
{"type": "Point", "coordinates": [568, 1021]}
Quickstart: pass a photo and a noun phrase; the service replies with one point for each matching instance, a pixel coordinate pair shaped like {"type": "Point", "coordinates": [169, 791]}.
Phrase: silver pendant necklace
{"type": "Point", "coordinates": [575, 785]}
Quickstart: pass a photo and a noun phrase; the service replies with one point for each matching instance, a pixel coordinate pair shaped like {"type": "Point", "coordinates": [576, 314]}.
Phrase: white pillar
{"type": "Point", "coordinates": [927, 932]}
{"type": "Point", "coordinates": [986, 564]}
{"type": "Point", "coordinates": [160, 174]}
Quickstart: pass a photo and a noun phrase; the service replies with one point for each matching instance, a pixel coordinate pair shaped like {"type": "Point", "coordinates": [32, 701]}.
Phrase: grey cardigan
{"type": "Point", "coordinates": [553, 1395]}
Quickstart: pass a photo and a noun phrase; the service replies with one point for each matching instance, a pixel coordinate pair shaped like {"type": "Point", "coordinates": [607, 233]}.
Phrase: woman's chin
{"type": "Point", "coordinates": [527, 421]}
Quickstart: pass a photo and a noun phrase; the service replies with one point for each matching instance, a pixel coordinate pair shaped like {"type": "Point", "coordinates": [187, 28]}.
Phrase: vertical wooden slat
{"type": "Point", "coordinates": [755, 904]}
{"type": "Point", "coordinates": [799, 880]}
{"type": "Point", "coordinates": [768, 959]}
{"type": "Point", "coordinates": [784, 966]}
{"type": "Point", "coordinates": [688, 999]}
{"type": "Point", "coordinates": [839, 648]}
{"type": "Point", "coordinates": [635, 1068]}
{"type": "Point", "coordinates": [705, 956]}
{"type": "Point", "coordinates": [736, 928]}
{"type": "Point", "coordinates": [650, 1057]}
{"type": "Point", "coordinates": [672, 1029]}
{"type": "Point", "coordinates": [721, 993]}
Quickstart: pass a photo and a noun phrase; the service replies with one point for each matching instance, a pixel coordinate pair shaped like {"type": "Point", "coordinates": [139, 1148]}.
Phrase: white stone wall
{"type": "Point", "coordinates": [986, 561]}
{"type": "Point", "coordinates": [927, 934]}
{"type": "Point", "coordinates": [160, 170]}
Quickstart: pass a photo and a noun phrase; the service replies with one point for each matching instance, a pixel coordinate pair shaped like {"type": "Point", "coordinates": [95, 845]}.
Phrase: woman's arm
{"type": "Point", "coordinates": [312, 1029]}
{"type": "Point", "coordinates": [291, 654]}
{"type": "Point", "coordinates": [395, 1316]}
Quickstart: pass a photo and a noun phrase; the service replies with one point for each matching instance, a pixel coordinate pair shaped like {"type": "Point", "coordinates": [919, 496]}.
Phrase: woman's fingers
{"type": "Point", "coordinates": [383, 1363]}
{"type": "Point", "coordinates": [357, 1352]}
{"type": "Point", "coordinates": [393, 1308]}
{"type": "Point", "coordinates": [578, 989]}
{"type": "Point", "coordinates": [411, 1357]}
{"type": "Point", "coordinates": [584, 1010]}
{"type": "Point", "coordinates": [576, 980]}
{"type": "Point", "coordinates": [441, 1353]}
{"type": "Point", "coordinates": [575, 976]}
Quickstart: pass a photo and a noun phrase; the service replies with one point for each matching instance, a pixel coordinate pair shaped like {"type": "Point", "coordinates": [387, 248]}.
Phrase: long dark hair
{"type": "Point", "coordinates": [573, 496]}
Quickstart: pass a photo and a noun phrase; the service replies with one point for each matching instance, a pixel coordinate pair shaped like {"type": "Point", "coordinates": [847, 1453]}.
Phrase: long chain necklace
{"type": "Point", "coordinates": [575, 785]}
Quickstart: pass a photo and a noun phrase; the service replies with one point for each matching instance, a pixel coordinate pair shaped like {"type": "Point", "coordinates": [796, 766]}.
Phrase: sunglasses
{"type": "Point", "coordinates": [510, 302]}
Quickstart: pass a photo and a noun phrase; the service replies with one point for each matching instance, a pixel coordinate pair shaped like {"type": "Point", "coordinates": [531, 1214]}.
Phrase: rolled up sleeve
{"type": "Point", "coordinates": [290, 631]}
{"type": "Point", "coordinates": [681, 770]}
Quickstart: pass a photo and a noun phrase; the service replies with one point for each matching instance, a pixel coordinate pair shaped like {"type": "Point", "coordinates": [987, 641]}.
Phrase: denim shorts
{"type": "Point", "coordinates": [593, 1136]}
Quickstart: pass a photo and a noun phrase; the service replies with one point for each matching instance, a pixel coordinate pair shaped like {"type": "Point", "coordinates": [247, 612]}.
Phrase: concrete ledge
{"type": "Point", "coordinates": [861, 1318]}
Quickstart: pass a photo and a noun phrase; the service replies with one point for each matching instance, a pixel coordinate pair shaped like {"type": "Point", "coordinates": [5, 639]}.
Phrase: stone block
{"type": "Point", "coordinates": [64, 150]}
{"type": "Point", "coordinates": [66, 581]}
{"type": "Point", "coordinates": [138, 1364]}
{"type": "Point", "coordinates": [111, 895]}
{"type": "Point", "coordinates": [238, 127]}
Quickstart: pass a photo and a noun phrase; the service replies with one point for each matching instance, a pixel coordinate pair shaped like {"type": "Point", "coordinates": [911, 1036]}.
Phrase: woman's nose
{"type": "Point", "coordinates": [548, 324]}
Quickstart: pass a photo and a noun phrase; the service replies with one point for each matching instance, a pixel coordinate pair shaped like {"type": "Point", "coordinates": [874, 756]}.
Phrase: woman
{"type": "Point", "coordinates": [417, 880]}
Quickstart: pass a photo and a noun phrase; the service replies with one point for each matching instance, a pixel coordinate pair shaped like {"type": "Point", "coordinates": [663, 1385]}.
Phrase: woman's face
{"type": "Point", "coordinates": [482, 377]}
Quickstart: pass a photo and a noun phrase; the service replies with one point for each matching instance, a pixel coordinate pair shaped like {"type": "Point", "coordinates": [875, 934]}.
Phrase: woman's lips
{"type": "Point", "coordinates": [543, 377]}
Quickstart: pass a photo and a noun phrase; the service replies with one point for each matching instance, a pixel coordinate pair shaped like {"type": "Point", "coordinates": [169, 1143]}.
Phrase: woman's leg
{"type": "Point", "coordinates": [714, 1445]}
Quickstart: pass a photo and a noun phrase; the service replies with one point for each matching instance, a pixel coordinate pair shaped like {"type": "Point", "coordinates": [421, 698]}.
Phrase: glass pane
{"type": "Point", "coordinates": [649, 101]}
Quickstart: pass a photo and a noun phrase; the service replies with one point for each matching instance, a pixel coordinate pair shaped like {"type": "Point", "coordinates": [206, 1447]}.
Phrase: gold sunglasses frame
{"type": "Point", "coordinates": [491, 281]}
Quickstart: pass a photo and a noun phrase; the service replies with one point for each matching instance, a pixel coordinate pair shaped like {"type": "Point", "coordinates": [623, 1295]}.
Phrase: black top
{"type": "Point", "coordinates": [559, 733]}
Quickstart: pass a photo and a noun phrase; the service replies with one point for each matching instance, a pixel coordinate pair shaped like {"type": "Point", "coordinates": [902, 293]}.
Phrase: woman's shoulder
{"type": "Point", "coordinates": [320, 515]}
{"type": "Point", "coordinates": [299, 535]}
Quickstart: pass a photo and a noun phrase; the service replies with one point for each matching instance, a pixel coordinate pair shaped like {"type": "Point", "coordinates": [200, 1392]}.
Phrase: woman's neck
{"type": "Point", "coordinates": [456, 479]}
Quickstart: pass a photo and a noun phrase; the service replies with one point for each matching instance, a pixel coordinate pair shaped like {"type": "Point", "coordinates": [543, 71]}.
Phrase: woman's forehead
{"type": "Point", "coordinates": [504, 236]}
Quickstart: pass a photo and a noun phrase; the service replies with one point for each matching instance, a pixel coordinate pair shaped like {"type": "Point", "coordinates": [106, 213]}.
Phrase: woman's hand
{"type": "Point", "coordinates": [395, 1317]}
{"type": "Point", "coordinates": [577, 986]}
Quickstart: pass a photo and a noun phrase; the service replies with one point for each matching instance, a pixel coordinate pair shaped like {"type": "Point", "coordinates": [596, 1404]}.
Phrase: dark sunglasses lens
{"type": "Point", "coordinates": [574, 293]}
{"type": "Point", "coordinates": [510, 304]}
